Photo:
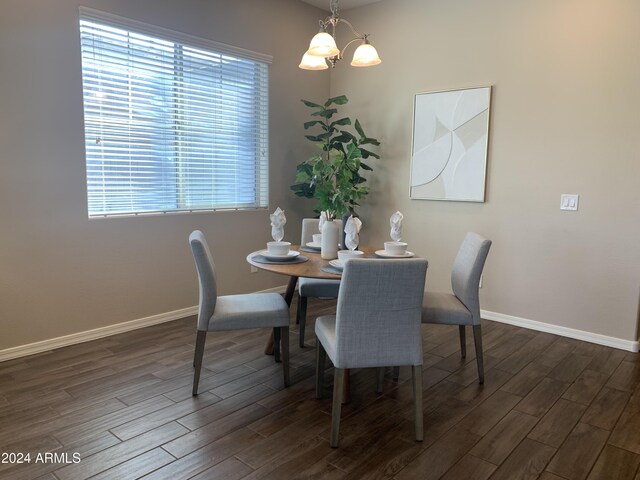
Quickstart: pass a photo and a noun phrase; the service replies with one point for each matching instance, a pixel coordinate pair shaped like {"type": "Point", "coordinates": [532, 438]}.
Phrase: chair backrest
{"type": "Point", "coordinates": [466, 271]}
{"type": "Point", "coordinates": [309, 227]}
{"type": "Point", "coordinates": [379, 313]}
{"type": "Point", "coordinates": [206, 278]}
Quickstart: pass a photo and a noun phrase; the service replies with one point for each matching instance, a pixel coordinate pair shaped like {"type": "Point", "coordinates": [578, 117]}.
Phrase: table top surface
{"type": "Point", "coordinates": [310, 269]}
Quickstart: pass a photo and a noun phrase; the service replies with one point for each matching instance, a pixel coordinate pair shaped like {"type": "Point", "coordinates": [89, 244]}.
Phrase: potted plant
{"type": "Point", "coordinates": [332, 176]}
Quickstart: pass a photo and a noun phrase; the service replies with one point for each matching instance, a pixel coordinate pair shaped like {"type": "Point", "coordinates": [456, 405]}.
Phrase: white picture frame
{"type": "Point", "coordinates": [450, 145]}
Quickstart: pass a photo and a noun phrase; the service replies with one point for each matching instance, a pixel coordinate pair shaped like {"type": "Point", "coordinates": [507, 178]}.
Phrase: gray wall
{"type": "Point", "coordinates": [565, 119]}
{"type": "Point", "coordinates": [61, 273]}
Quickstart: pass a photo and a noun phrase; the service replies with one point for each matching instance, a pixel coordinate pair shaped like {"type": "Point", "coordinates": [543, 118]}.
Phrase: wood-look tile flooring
{"type": "Point", "coordinates": [551, 408]}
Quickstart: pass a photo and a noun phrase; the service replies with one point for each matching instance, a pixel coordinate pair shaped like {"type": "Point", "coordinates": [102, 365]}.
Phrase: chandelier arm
{"type": "Point", "coordinates": [341, 54]}
{"type": "Point", "coordinates": [324, 24]}
{"type": "Point", "coordinates": [360, 36]}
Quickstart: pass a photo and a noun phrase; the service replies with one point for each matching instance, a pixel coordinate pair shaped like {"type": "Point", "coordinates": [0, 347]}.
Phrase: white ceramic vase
{"type": "Point", "coordinates": [330, 237]}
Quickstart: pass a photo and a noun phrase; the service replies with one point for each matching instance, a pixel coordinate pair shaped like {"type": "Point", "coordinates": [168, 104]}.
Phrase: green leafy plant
{"type": "Point", "coordinates": [332, 176]}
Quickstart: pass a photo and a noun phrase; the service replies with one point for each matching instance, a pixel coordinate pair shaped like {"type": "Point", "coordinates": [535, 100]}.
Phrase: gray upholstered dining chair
{"type": "Point", "coordinates": [462, 308]}
{"type": "Point", "coordinates": [312, 287]}
{"type": "Point", "coordinates": [234, 312]}
{"type": "Point", "coordinates": [377, 324]}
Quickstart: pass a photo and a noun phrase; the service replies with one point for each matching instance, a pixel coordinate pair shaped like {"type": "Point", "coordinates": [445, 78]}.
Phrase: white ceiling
{"type": "Point", "coordinates": [343, 4]}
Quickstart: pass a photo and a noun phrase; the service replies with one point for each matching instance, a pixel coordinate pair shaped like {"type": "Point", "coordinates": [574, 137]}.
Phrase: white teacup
{"type": "Point", "coordinates": [317, 238]}
{"type": "Point", "coordinates": [395, 248]}
{"type": "Point", "coordinates": [344, 255]}
{"type": "Point", "coordinates": [278, 248]}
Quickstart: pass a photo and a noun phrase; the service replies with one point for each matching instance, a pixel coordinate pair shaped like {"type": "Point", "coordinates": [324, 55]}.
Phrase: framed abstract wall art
{"type": "Point", "coordinates": [450, 140]}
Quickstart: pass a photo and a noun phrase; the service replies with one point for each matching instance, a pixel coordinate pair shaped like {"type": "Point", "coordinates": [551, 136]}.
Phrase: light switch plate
{"type": "Point", "coordinates": [569, 201]}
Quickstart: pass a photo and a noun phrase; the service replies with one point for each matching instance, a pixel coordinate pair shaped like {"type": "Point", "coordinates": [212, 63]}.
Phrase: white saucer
{"type": "Point", "coordinates": [384, 254]}
{"type": "Point", "coordinates": [336, 264]}
{"type": "Point", "coordinates": [314, 245]}
{"type": "Point", "coordinates": [289, 256]}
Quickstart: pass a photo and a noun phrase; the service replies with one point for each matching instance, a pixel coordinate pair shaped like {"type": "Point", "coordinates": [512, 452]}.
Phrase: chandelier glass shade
{"type": "Point", "coordinates": [310, 62]}
{"type": "Point", "coordinates": [323, 45]}
{"type": "Point", "coordinates": [365, 56]}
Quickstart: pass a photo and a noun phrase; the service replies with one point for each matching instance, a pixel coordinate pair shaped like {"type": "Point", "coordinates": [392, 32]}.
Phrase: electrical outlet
{"type": "Point", "coordinates": [254, 269]}
{"type": "Point", "coordinates": [480, 284]}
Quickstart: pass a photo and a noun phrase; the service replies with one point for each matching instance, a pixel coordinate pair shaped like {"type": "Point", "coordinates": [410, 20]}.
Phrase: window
{"type": "Point", "coordinates": [172, 123]}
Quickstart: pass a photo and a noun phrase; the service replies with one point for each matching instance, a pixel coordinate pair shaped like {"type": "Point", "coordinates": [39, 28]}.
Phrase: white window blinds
{"type": "Point", "coordinates": [171, 125]}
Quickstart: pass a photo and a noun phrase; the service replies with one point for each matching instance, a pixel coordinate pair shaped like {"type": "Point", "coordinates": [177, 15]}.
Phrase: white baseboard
{"type": "Point", "coordinates": [632, 346]}
{"type": "Point", "coordinates": [80, 337]}
{"type": "Point", "coordinates": [280, 289]}
{"type": "Point", "coordinates": [96, 333]}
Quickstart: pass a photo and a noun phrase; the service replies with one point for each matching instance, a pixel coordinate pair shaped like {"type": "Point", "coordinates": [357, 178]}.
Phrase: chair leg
{"type": "Point", "coordinates": [416, 374]}
{"type": "Point", "coordinates": [477, 338]}
{"type": "Point", "coordinates": [336, 408]}
{"type": "Point", "coordinates": [301, 317]}
{"type": "Point", "coordinates": [284, 339]}
{"type": "Point", "coordinates": [321, 356]}
{"type": "Point", "coordinates": [463, 341]}
{"type": "Point", "coordinates": [276, 343]}
{"type": "Point", "coordinates": [379, 379]}
{"type": "Point", "coordinates": [396, 373]}
{"type": "Point", "coordinates": [197, 359]}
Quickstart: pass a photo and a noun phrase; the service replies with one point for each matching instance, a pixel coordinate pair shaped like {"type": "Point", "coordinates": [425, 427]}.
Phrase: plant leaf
{"type": "Point", "coordinates": [338, 146]}
{"type": "Point", "coordinates": [359, 128]}
{"type": "Point", "coordinates": [310, 124]}
{"type": "Point", "coordinates": [342, 138]}
{"type": "Point", "coordinates": [310, 104]}
{"type": "Point", "coordinates": [367, 154]}
{"type": "Point", "coordinates": [350, 135]}
{"type": "Point", "coordinates": [361, 180]}
{"type": "Point", "coordinates": [342, 121]}
{"type": "Point", "coordinates": [302, 177]}
{"type": "Point", "coordinates": [318, 138]}
{"type": "Point", "coordinates": [365, 166]}
{"type": "Point", "coordinates": [325, 113]}
{"type": "Point", "coordinates": [353, 152]}
{"type": "Point", "coordinates": [341, 100]}
{"type": "Point", "coordinates": [369, 141]}
{"type": "Point", "coordinates": [303, 190]}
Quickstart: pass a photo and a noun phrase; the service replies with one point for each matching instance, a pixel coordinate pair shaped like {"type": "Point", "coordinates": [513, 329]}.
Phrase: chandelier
{"type": "Point", "coordinates": [323, 46]}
